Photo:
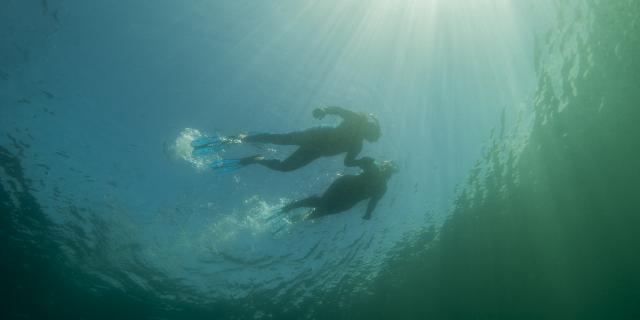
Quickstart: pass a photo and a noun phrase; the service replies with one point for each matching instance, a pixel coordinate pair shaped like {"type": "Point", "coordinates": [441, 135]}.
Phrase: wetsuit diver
{"type": "Point", "coordinates": [346, 191]}
{"type": "Point", "coordinates": [313, 143]}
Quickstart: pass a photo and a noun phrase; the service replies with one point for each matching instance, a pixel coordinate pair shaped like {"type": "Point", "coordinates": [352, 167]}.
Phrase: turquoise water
{"type": "Point", "coordinates": [513, 124]}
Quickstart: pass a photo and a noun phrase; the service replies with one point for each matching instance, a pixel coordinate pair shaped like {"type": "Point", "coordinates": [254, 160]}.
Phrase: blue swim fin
{"type": "Point", "coordinates": [212, 144]}
{"type": "Point", "coordinates": [226, 165]}
{"type": "Point", "coordinates": [205, 150]}
{"type": "Point", "coordinates": [206, 145]}
{"type": "Point", "coordinates": [206, 141]}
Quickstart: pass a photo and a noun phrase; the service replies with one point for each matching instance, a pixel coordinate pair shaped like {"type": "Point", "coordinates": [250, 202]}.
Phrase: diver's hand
{"type": "Point", "coordinates": [319, 113]}
{"type": "Point", "coordinates": [366, 216]}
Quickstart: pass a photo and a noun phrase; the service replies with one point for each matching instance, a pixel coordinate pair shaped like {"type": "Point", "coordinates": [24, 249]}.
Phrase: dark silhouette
{"type": "Point", "coordinates": [346, 191]}
{"type": "Point", "coordinates": [318, 142]}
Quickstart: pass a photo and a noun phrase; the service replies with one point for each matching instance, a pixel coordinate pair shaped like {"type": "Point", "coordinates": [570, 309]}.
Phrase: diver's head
{"type": "Point", "coordinates": [388, 168]}
{"type": "Point", "coordinates": [372, 128]}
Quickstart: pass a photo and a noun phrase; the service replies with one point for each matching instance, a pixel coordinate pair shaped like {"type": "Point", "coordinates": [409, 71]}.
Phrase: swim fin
{"type": "Point", "coordinates": [226, 165]}
{"type": "Point", "coordinates": [206, 145]}
{"type": "Point", "coordinates": [211, 144]}
{"type": "Point", "coordinates": [205, 141]}
{"type": "Point", "coordinates": [205, 150]}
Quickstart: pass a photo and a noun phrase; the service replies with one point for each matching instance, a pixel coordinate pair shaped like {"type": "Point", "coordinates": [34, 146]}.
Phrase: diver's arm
{"type": "Point", "coordinates": [350, 159]}
{"type": "Point", "coordinates": [345, 114]}
{"type": "Point", "coordinates": [374, 202]}
{"type": "Point", "coordinates": [367, 164]}
{"type": "Point", "coordinates": [371, 206]}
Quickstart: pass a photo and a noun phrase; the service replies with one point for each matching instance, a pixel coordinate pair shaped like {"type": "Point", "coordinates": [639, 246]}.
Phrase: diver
{"type": "Point", "coordinates": [312, 143]}
{"type": "Point", "coordinates": [346, 191]}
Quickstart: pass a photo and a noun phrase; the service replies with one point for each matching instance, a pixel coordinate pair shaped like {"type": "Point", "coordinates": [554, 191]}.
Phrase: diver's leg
{"type": "Point", "coordinates": [310, 202]}
{"type": "Point", "coordinates": [298, 159]}
{"type": "Point", "coordinates": [305, 137]}
{"type": "Point", "coordinates": [273, 138]}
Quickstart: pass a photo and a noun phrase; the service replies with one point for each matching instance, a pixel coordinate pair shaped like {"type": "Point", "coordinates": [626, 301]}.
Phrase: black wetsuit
{"type": "Point", "coordinates": [316, 142]}
{"type": "Point", "coordinates": [346, 191]}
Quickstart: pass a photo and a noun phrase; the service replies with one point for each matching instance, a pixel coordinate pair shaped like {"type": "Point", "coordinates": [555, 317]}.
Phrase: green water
{"type": "Point", "coordinates": [546, 227]}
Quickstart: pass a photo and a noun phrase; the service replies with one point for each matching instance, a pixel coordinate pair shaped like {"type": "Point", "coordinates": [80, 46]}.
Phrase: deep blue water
{"type": "Point", "coordinates": [513, 124]}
